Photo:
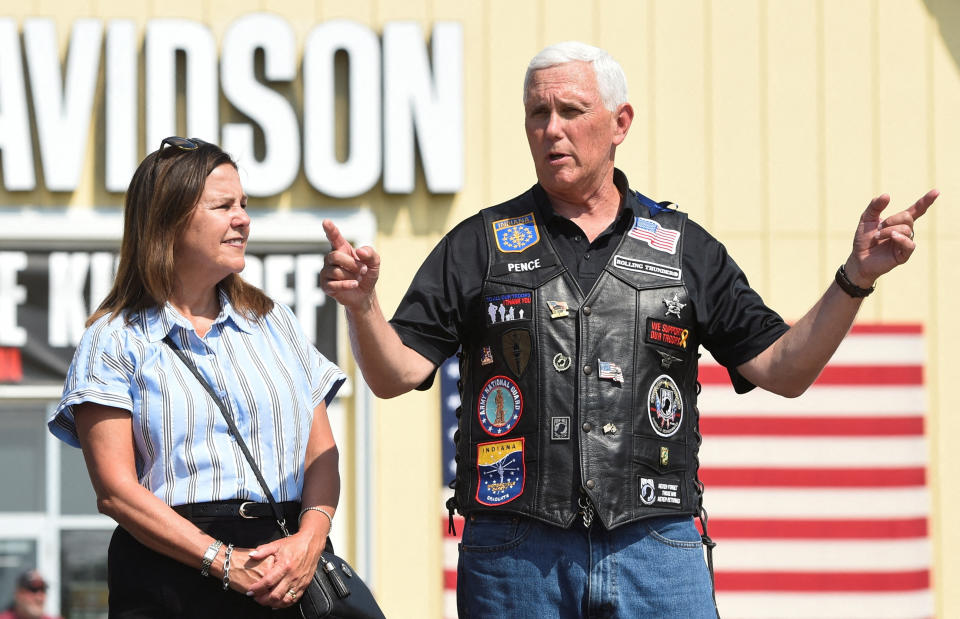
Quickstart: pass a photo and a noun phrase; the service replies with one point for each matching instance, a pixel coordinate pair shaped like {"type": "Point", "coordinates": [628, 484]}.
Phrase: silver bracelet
{"type": "Point", "coordinates": [317, 508]}
{"type": "Point", "coordinates": [208, 557]}
{"type": "Point", "coordinates": [226, 567]}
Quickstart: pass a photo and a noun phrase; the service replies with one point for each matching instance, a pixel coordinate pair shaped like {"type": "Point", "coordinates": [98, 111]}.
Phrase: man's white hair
{"type": "Point", "coordinates": [611, 81]}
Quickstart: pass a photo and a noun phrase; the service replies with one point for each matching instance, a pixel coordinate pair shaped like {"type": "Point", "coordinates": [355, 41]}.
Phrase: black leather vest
{"type": "Point", "coordinates": [565, 393]}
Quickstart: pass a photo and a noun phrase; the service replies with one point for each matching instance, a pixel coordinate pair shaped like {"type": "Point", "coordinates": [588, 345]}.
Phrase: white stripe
{"type": "Point", "coordinates": [871, 349]}
{"type": "Point", "coordinates": [450, 553]}
{"type": "Point", "coordinates": [766, 451]}
{"type": "Point", "coordinates": [816, 503]}
{"type": "Point", "coordinates": [449, 604]}
{"type": "Point", "coordinates": [826, 401]}
{"type": "Point", "coordinates": [873, 605]}
{"type": "Point", "coordinates": [824, 555]}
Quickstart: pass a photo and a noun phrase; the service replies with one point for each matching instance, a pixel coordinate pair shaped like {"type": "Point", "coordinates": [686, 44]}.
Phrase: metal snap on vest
{"type": "Point", "coordinates": [587, 426]}
{"type": "Point", "coordinates": [587, 369]}
{"type": "Point", "coordinates": [591, 484]}
{"type": "Point", "coordinates": [586, 310]}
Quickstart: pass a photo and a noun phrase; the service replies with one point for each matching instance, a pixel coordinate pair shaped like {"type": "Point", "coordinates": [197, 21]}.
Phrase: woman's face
{"type": "Point", "coordinates": [213, 243]}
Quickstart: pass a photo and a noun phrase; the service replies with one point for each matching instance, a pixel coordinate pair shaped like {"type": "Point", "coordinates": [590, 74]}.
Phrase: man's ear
{"type": "Point", "coordinates": [623, 118]}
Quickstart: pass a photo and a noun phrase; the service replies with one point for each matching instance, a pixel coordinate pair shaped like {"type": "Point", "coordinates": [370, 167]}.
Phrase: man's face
{"type": "Point", "coordinates": [29, 601]}
{"type": "Point", "coordinates": [572, 136]}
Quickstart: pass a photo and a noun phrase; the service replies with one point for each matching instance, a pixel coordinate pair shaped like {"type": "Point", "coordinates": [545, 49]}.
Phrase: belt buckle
{"type": "Point", "coordinates": [241, 511]}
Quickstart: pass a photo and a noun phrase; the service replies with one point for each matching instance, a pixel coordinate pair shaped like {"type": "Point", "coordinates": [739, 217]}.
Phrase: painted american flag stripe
{"type": "Point", "coordinates": [818, 528]}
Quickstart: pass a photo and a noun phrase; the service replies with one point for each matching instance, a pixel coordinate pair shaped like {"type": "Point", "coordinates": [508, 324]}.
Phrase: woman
{"type": "Point", "coordinates": [156, 445]}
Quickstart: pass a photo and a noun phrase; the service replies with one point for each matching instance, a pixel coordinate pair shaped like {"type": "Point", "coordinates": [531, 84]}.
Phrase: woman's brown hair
{"type": "Point", "coordinates": [157, 207]}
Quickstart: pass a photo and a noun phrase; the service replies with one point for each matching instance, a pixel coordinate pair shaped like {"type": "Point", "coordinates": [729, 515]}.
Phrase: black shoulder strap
{"type": "Point", "coordinates": [234, 432]}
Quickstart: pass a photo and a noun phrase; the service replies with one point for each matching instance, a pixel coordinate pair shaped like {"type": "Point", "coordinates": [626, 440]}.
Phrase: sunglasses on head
{"type": "Point", "coordinates": [178, 142]}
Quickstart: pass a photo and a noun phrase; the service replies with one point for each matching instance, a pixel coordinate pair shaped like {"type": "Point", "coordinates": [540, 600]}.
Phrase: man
{"type": "Point", "coordinates": [28, 598]}
{"type": "Point", "coordinates": [579, 307]}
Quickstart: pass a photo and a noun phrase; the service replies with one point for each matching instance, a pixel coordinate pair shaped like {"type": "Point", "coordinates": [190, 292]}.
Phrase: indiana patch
{"type": "Point", "coordinates": [516, 233]}
{"type": "Point", "coordinates": [661, 492]}
{"type": "Point", "coordinates": [508, 307]}
{"type": "Point", "coordinates": [665, 406]}
{"type": "Point", "coordinates": [500, 471]}
{"type": "Point", "coordinates": [500, 406]}
{"type": "Point", "coordinates": [666, 334]}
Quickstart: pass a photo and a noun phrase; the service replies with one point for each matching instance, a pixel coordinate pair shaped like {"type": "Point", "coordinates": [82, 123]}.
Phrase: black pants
{"type": "Point", "coordinates": [148, 585]}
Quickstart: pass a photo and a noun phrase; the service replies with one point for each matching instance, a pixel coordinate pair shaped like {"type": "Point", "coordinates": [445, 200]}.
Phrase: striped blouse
{"type": "Point", "coordinates": [270, 375]}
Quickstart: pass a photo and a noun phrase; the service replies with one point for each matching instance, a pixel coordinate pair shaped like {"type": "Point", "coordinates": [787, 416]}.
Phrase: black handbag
{"type": "Point", "coordinates": [336, 590]}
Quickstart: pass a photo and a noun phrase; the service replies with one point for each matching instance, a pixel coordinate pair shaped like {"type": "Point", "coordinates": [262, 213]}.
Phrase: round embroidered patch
{"type": "Point", "coordinates": [499, 406]}
{"type": "Point", "coordinates": [665, 406]}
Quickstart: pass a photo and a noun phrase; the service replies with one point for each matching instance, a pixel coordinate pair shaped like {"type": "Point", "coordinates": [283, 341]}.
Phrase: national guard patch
{"type": "Point", "coordinates": [665, 406]}
{"type": "Point", "coordinates": [508, 307]}
{"type": "Point", "coordinates": [516, 233]}
{"type": "Point", "coordinates": [666, 334]}
{"type": "Point", "coordinates": [500, 471]}
{"type": "Point", "coordinates": [499, 406]}
{"type": "Point", "coordinates": [516, 350]}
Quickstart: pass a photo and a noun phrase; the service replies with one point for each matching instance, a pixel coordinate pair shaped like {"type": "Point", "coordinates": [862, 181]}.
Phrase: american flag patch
{"type": "Point", "coordinates": [657, 237]}
{"type": "Point", "coordinates": [611, 371]}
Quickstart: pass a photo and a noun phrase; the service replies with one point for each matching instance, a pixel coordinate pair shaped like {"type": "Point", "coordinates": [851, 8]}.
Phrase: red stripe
{"type": "Point", "coordinates": [458, 525]}
{"type": "Point", "coordinates": [812, 426]}
{"type": "Point", "coordinates": [450, 579]}
{"type": "Point", "coordinates": [767, 528]}
{"type": "Point", "coordinates": [887, 329]}
{"type": "Point", "coordinates": [814, 477]}
{"type": "Point", "coordinates": [823, 581]}
{"type": "Point", "coordinates": [854, 375]}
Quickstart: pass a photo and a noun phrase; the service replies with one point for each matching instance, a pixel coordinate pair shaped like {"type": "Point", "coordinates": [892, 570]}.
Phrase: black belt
{"type": "Point", "coordinates": [237, 509]}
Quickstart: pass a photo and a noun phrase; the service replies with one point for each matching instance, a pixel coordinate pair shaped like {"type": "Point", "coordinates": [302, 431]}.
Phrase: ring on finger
{"type": "Point", "coordinates": [292, 593]}
{"type": "Point", "coordinates": [911, 235]}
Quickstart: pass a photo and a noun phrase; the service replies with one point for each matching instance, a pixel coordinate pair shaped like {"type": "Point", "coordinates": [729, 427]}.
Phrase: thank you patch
{"type": "Point", "coordinates": [665, 406]}
{"type": "Point", "coordinates": [508, 307]}
{"type": "Point", "coordinates": [516, 233]}
{"type": "Point", "coordinates": [499, 406]}
{"type": "Point", "coordinates": [501, 471]}
{"type": "Point", "coordinates": [661, 492]}
{"type": "Point", "coordinates": [666, 334]}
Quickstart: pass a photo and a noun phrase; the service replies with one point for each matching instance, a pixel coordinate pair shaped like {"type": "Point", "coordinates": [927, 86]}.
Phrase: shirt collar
{"type": "Point", "coordinates": [628, 199]}
{"type": "Point", "coordinates": [160, 321]}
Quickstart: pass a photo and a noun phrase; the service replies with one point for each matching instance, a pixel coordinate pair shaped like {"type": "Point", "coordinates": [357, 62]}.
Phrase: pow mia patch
{"type": "Point", "coordinates": [659, 491]}
{"type": "Point", "coordinates": [642, 266]}
{"type": "Point", "coordinates": [666, 334]}
{"type": "Point", "coordinates": [560, 428]}
{"type": "Point", "coordinates": [508, 307]}
{"type": "Point", "coordinates": [516, 233]}
{"type": "Point", "coordinates": [516, 350]}
{"type": "Point", "coordinates": [500, 406]}
{"type": "Point", "coordinates": [665, 406]}
{"type": "Point", "coordinates": [500, 471]}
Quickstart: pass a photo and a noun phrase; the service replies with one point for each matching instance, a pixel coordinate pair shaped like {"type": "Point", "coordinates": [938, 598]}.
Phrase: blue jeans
{"type": "Point", "coordinates": [513, 566]}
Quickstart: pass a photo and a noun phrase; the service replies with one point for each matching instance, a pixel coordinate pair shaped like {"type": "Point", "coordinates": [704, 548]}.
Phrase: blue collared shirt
{"type": "Point", "coordinates": [270, 375]}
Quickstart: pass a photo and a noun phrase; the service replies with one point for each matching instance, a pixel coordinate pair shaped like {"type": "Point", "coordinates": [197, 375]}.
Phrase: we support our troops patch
{"type": "Point", "coordinates": [665, 406]}
{"type": "Point", "coordinates": [666, 334]}
{"type": "Point", "coordinates": [500, 406]}
{"type": "Point", "coordinates": [500, 471]}
{"type": "Point", "coordinates": [516, 233]}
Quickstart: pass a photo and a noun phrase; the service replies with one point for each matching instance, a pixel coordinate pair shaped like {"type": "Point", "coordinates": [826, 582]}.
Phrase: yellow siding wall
{"type": "Point", "coordinates": [773, 122]}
